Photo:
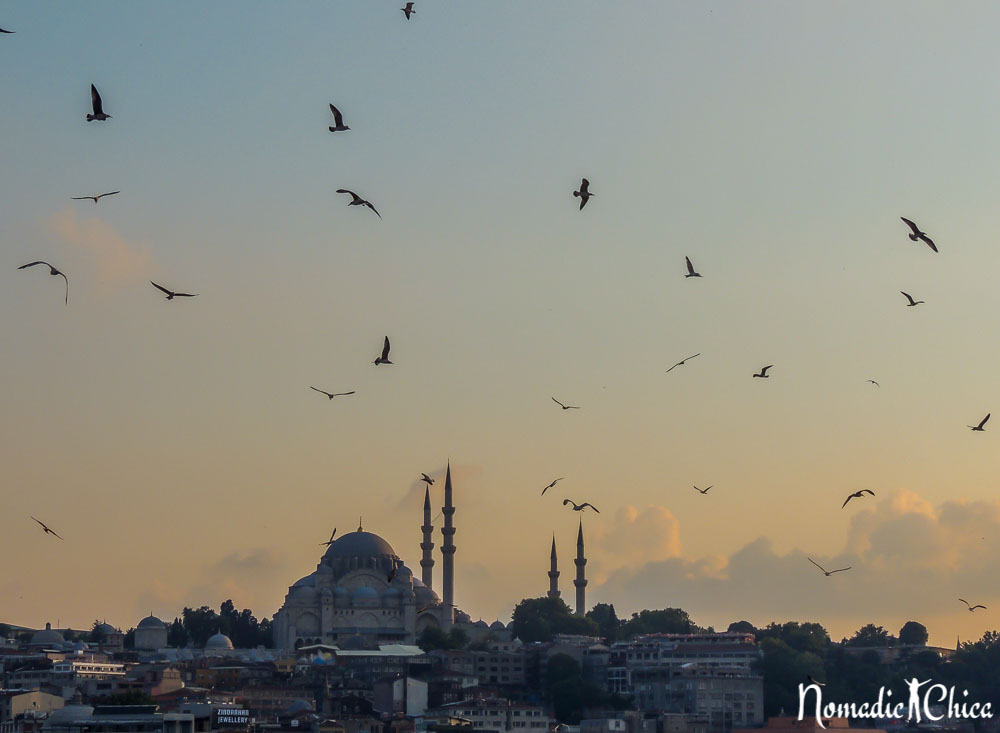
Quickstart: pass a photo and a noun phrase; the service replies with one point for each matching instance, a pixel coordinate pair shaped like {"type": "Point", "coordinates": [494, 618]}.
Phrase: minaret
{"type": "Point", "coordinates": [427, 560]}
{"type": "Point", "coordinates": [553, 572]}
{"type": "Point", "coordinates": [581, 575]}
{"type": "Point", "coordinates": [448, 549]}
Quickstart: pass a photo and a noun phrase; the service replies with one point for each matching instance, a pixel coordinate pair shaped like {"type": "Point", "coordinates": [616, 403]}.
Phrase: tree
{"type": "Point", "coordinates": [129, 640]}
{"type": "Point", "coordinates": [608, 623]}
{"type": "Point", "coordinates": [742, 627]}
{"type": "Point", "coordinates": [96, 635]}
{"type": "Point", "coordinates": [540, 619]}
{"type": "Point", "coordinates": [871, 635]}
{"type": "Point", "coordinates": [913, 633]}
{"type": "Point", "coordinates": [200, 623]}
{"type": "Point", "coordinates": [177, 636]}
{"type": "Point", "coordinates": [4, 631]}
{"type": "Point", "coordinates": [663, 621]}
{"type": "Point", "coordinates": [783, 668]}
{"type": "Point", "coordinates": [433, 637]}
{"type": "Point", "coordinates": [802, 637]}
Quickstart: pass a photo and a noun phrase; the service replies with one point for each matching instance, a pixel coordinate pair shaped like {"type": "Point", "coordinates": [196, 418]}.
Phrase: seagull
{"type": "Point", "coordinates": [580, 507]}
{"type": "Point", "coordinates": [95, 99]}
{"type": "Point", "coordinates": [857, 495]}
{"type": "Point", "coordinates": [384, 359]}
{"type": "Point", "coordinates": [584, 193]}
{"type": "Point", "coordinates": [971, 608]}
{"type": "Point", "coordinates": [691, 272]}
{"type": "Point", "coordinates": [763, 372]}
{"type": "Point", "coordinates": [872, 381]}
{"type": "Point", "coordinates": [912, 301]}
{"type": "Point", "coordinates": [330, 541]}
{"type": "Point", "coordinates": [47, 530]}
{"type": "Point", "coordinates": [52, 271]}
{"type": "Point", "coordinates": [171, 294]}
{"type": "Point", "coordinates": [426, 479]}
{"type": "Point", "coordinates": [827, 573]}
{"type": "Point", "coordinates": [703, 491]}
{"type": "Point", "coordinates": [331, 395]}
{"type": "Point", "coordinates": [916, 234]}
{"type": "Point", "coordinates": [94, 198]}
{"type": "Point", "coordinates": [682, 361]}
{"type": "Point", "coordinates": [552, 484]}
{"type": "Point", "coordinates": [408, 10]}
{"type": "Point", "coordinates": [358, 201]}
{"type": "Point", "coordinates": [565, 407]}
{"type": "Point", "coordinates": [979, 428]}
{"type": "Point", "coordinates": [339, 120]}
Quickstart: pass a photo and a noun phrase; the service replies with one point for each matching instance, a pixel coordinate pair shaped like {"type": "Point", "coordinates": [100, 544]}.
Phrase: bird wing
{"type": "Point", "coordinates": [2, 30]}
{"type": "Point", "coordinates": [586, 504]}
{"type": "Point", "coordinates": [979, 605]}
{"type": "Point", "coordinates": [385, 349]}
{"type": "Point", "coordinates": [321, 391]}
{"type": "Point", "coordinates": [961, 599]}
{"type": "Point", "coordinates": [53, 534]}
{"type": "Point", "coordinates": [674, 367]}
{"type": "Point", "coordinates": [337, 117]}
{"type": "Point", "coordinates": [42, 524]}
{"type": "Point", "coordinates": [185, 295]}
{"type": "Point", "coordinates": [344, 394]}
{"type": "Point", "coordinates": [984, 420]}
{"type": "Point", "coordinates": [66, 298]}
{"type": "Point", "coordinates": [839, 570]}
{"type": "Point", "coordinates": [690, 266]}
{"type": "Point", "coordinates": [95, 99]}
{"type": "Point", "coordinates": [584, 185]}
{"type": "Point", "coordinates": [816, 564]}
{"type": "Point", "coordinates": [109, 193]}
{"type": "Point", "coordinates": [36, 262]}
{"type": "Point", "coordinates": [160, 287]}
{"type": "Point", "coordinates": [764, 370]}
{"type": "Point", "coordinates": [914, 227]}
{"type": "Point", "coordinates": [553, 399]}
{"type": "Point", "coordinates": [908, 296]}
{"type": "Point", "coordinates": [868, 490]}
{"type": "Point", "coordinates": [930, 243]}
{"type": "Point", "coordinates": [370, 206]}
{"type": "Point", "coordinates": [568, 501]}
{"type": "Point", "coordinates": [83, 198]}
{"type": "Point", "coordinates": [847, 500]}
{"type": "Point", "coordinates": [353, 195]}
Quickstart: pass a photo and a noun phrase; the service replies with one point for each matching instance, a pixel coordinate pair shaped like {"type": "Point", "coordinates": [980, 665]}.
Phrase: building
{"type": "Point", "coordinates": [400, 695]}
{"type": "Point", "coordinates": [150, 634]}
{"type": "Point", "coordinates": [490, 715]}
{"type": "Point", "coordinates": [15, 703]}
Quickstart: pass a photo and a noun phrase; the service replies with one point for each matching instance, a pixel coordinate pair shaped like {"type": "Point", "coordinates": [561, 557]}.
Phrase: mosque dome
{"type": "Point", "coordinates": [480, 624]}
{"type": "Point", "coordinates": [151, 622]}
{"type": "Point", "coordinates": [107, 629]}
{"type": "Point", "coordinates": [497, 626]}
{"type": "Point", "coordinates": [299, 706]}
{"type": "Point", "coordinates": [359, 544]}
{"type": "Point", "coordinates": [48, 635]}
{"type": "Point", "coordinates": [219, 642]}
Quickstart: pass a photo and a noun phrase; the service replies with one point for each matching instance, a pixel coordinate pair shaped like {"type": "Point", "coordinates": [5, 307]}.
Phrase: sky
{"type": "Point", "coordinates": [178, 449]}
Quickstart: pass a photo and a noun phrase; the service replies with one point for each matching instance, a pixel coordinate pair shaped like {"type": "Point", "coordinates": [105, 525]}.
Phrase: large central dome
{"type": "Point", "coordinates": [359, 544]}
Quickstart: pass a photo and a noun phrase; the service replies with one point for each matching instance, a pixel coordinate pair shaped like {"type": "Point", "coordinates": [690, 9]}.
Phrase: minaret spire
{"type": "Point", "coordinates": [427, 559]}
{"type": "Point", "coordinates": [448, 549]}
{"type": "Point", "coordinates": [553, 572]}
{"type": "Point", "coordinates": [581, 575]}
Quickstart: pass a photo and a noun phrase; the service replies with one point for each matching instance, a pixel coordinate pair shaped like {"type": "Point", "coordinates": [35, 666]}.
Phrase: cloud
{"type": "Point", "coordinates": [635, 536]}
{"type": "Point", "coordinates": [250, 562]}
{"type": "Point", "coordinates": [114, 258]}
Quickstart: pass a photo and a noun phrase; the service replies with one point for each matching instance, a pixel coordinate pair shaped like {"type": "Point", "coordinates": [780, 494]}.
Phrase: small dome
{"type": "Point", "coordinates": [219, 641]}
{"type": "Point", "coordinates": [151, 622]}
{"type": "Point", "coordinates": [340, 591]}
{"type": "Point", "coordinates": [299, 706]}
{"type": "Point", "coordinates": [48, 635]}
{"type": "Point", "coordinates": [424, 595]}
{"type": "Point", "coordinates": [480, 624]}
{"type": "Point", "coordinates": [497, 626]}
{"type": "Point", "coordinates": [107, 629]}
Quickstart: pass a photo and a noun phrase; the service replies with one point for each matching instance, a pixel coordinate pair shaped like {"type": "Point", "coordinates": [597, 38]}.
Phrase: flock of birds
{"type": "Point", "coordinates": [584, 194]}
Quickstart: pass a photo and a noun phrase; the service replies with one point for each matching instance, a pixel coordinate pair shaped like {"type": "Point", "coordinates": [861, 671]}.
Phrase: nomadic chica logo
{"type": "Point", "coordinates": [935, 702]}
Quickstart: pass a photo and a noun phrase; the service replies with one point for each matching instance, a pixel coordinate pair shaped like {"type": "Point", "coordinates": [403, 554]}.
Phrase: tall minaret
{"type": "Point", "coordinates": [581, 575]}
{"type": "Point", "coordinates": [553, 572]}
{"type": "Point", "coordinates": [427, 560]}
{"type": "Point", "coordinates": [448, 549]}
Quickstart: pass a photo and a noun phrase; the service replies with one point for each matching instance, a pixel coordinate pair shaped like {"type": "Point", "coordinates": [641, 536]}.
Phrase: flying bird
{"type": "Point", "coordinates": [384, 359]}
{"type": "Point", "coordinates": [703, 491]}
{"type": "Point", "coordinates": [857, 495]}
{"type": "Point", "coordinates": [584, 193]}
{"type": "Point", "coordinates": [94, 198]}
{"type": "Point", "coordinates": [551, 485]}
{"type": "Point", "coordinates": [912, 301]}
{"type": "Point", "coordinates": [763, 372]}
{"type": "Point", "coordinates": [330, 541]}
{"type": "Point", "coordinates": [331, 395]}
{"type": "Point", "coordinates": [47, 530]}
{"type": "Point", "coordinates": [52, 271]}
{"type": "Point", "coordinates": [979, 428]}
{"type": "Point", "coordinates": [565, 407]}
{"type": "Point", "coordinates": [358, 201]}
{"type": "Point", "coordinates": [872, 381]}
{"type": "Point", "coordinates": [972, 608]}
{"type": "Point", "coordinates": [338, 120]}
{"type": "Point", "coordinates": [426, 479]}
{"type": "Point", "coordinates": [827, 573]}
{"type": "Point", "coordinates": [408, 10]}
{"type": "Point", "coordinates": [691, 272]}
{"type": "Point", "coordinates": [682, 362]}
{"type": "Point", "coordinates": [171, 294]}
{"type": "Point", "coordinates": [580, 507]}
{"type": "Point", "coordinates": [916, 234]}
{"type": "Point", "coordinates": [98, 105]}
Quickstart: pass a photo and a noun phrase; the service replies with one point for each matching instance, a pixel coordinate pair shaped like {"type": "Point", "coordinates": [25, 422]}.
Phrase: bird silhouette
{"type": "Point", "coordinates": [857, 495]}
{"type": "Point", "coordinates": [874, 382]}
{"type": "Point", "coordinates": [682, 362]}
{"type": "Point", "coordinates": [426, 479]}
{"type": "Point", "coordinates": [408, 10]}
{"type": "Point", "coordinates": [580, 507]}
{"type": "Point", "coordinates": [827, 573]}
{"type": "Point", "coordinates": [551, 485]}
{"type": "Point", "coordinates": [973, 608]}
{"type": "Point", "coordinates": [338, 120]}
{"type": "Point", "coordinates": [330, 541]}
{"type": "Point", "coordinates": [584, 193]}
{"type": "Point", "coordinates": [171, 294]}
{"type": "Point", "coordinates": [691, 272]}
{"type": "Point", "coordinates": [98, 105]}
{"type": "Point", "coordinates": [912, 301]}
{"type": "Point", "coordinates": [703, 491]}
{"type": "Point", "coordinates": [565, 407]}
{"type": "Point", "coordinates": [384, 358]}
{"type": "Point", "coordinates": [763, 372]}
{"type": "Point", "coordinates": [358, 201]}
{"type": "Point", "coordinates": [916, 234]}
{"type": "Point", "coordinates": [47, 530]}
{"type": "Point", "coordinates": [52, 271]}
{"type": "Point", "coordinates": [331, 395]}
{"type": "Point", "coordinates": [95, 199]}
{"type": "Point", "coordinates": [979, 428]}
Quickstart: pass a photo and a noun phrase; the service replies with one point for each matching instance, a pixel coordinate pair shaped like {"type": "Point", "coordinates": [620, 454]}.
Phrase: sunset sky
{"type": "Point", "coordinates": [178, 449]}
